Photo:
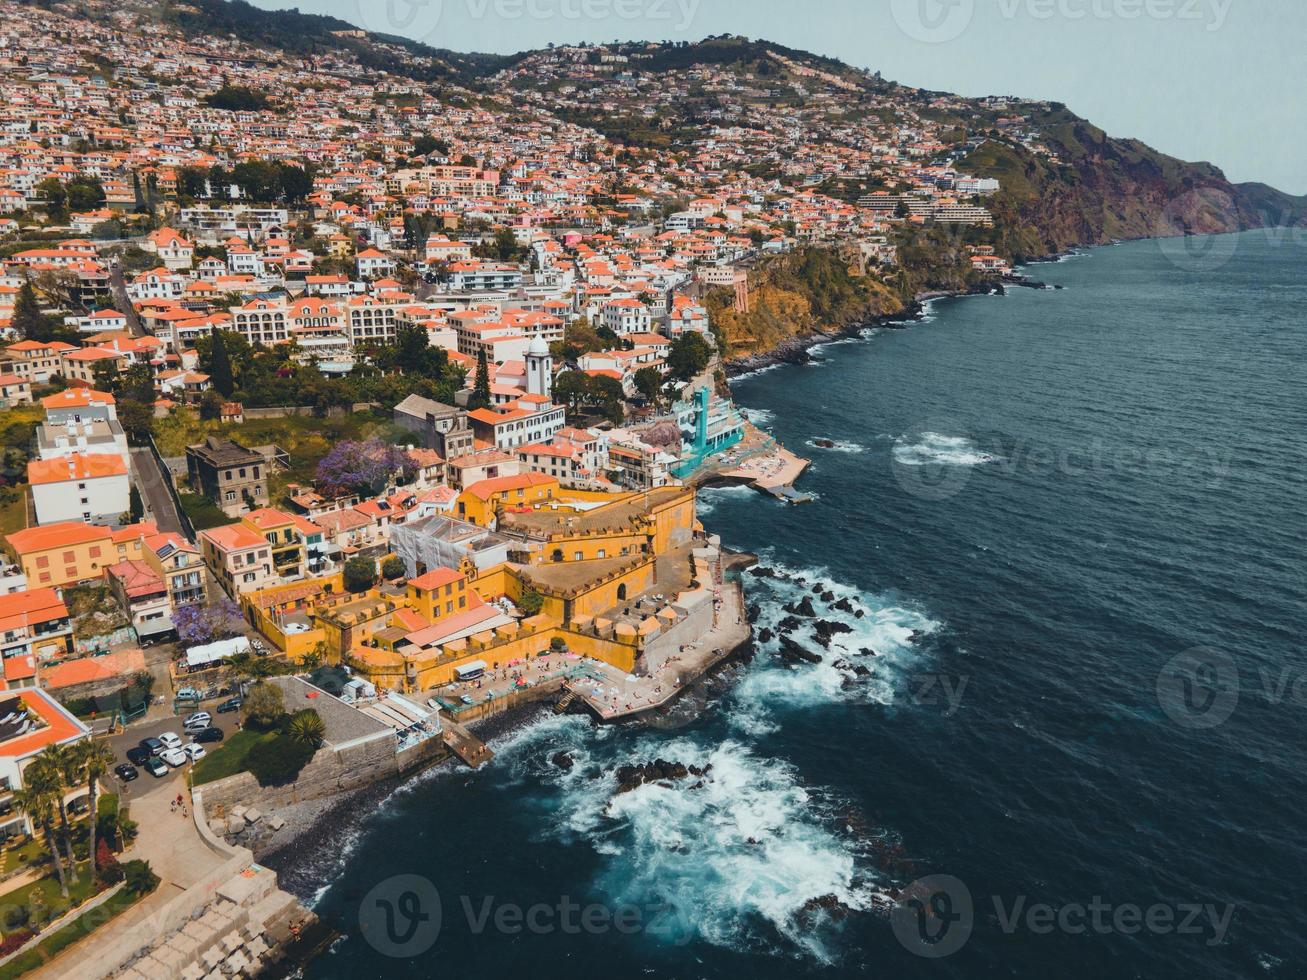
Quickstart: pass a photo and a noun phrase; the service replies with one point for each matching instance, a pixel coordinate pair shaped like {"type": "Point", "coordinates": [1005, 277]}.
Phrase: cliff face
{"type": "Point", "coordinates": [796, 296]}
{"type": "Point", "coordinates": [1100, 189]}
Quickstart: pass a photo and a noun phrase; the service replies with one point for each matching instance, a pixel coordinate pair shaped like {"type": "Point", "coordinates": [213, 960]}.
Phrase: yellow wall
{"type": "Point", "coordinates": [430, 603]}
{"type": "Point", "coordinates": [434, 669]}
{"type": "Point", "coordinates": [80, 565]}
{"type": "Point", "coordinates": [472, 508]}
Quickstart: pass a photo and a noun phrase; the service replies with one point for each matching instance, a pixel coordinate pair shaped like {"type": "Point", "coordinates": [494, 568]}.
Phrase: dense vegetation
{"type": "Point", "coordinates": [800, 293]}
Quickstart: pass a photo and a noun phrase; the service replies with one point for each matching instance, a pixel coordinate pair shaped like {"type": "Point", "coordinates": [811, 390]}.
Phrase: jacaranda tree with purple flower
{"type": "Point", "coordinates": [361, 467]}
{"type": "Point", "coordinates": [199, 624]}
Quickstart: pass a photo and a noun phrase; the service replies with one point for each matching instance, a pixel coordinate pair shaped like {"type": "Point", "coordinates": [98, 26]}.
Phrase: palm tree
{"type": "Point", "coordinates": [52, 767]}
{"type": "Point", "coordinates": [96, 761]}
{"type": "Point", "coordinates": [308, 728]}
{"type": "Point", "coordinates": [36, 799]}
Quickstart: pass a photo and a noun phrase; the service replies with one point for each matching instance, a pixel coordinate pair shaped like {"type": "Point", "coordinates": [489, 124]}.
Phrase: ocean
{"type": "Point", "coordinates": [1058, 546]}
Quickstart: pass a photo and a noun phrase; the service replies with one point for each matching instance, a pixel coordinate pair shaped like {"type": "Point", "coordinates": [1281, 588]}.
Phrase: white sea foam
{"type": "Point", "coordinates": [732, 858]}
{"type": "Point", "coordinates": [934, 448]}
{"type": "Point", "coordinates": [710, 497]}
{"type": "Point", "coordinates": [887, 627]}
{"type": "Point", "coordinates": [756, 371]}
{"type": "Point", "coordinates": [761, 417]}
{"type": "Point", "coordinates": [838, 447]}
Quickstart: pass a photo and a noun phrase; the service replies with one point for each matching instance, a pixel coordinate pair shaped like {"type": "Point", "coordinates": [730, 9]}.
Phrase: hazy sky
{"type": "Point", "coordinates": [1217, 80]}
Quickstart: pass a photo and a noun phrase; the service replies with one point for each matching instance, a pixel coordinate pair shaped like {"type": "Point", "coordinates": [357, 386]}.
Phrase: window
{"type": "Point", "coordinates": [229, 496]}
{"type": "Point", "coordinates": [43, 561]}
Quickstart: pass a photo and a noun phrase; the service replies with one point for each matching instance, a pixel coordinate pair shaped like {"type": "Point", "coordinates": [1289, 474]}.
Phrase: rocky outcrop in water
{"type": "Point", "coordinates": [631, 777]}
{"type": "Point", "coordinates": [791, 652]}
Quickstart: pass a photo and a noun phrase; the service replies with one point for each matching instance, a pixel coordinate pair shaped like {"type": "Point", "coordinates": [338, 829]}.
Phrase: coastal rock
{"type": "Point", "coordinates": [753, 612]}
{"type": "Point", "coordinates": [858, 614]}
{"type": "Point", "coordinates": [787, 625]}
{"type": "Point", "coordinates": [829, 904]}
{"type": "Point", "coordinates": [828, 596]}
{"type": "Point", "coordinates": [802, 608]}
{"type": "Point", "coordinates": [868, 652]}
{"type": "Point", "coordinates": [824, 443]}
{"type": "Point", "coordinates": [862, 671]}
{"type": "Point", "coordinates": [765, 635]}
{"type": "Point", "coordinates": [253, 815]}
{"type": "Point", "coordinates": [791, 652]}
{"type": "Point", "coordinates": [562, 760]}
{"type": "Point", "coordinates": [630, 777]}
{"type": "Point", "coordinates": [827, 628]}
{"type": "Point", "coordinates": [762, 571]}
{"type": "Point", "coordinates": [843, 605]}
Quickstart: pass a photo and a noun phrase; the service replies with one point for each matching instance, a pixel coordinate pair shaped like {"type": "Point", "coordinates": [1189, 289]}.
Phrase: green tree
{"type": "Point", "coordinates": [96, 760]}
{"type": "Point", "coordinates": [393, 568]}
{"type": "Point", "coordinates": [688, 357]}
{"type": "Point", "coordinates": [135, 509]}
{"type": "Point", "coordinates": [37, 800]}
{"type": "Point", "coordinates": [220, 373]}
{"type": "Point", "coordinates": [307, 727]}
{"type": "Point", "coordinates": [65, 768]}
{"type": "Point", "coordinates": [360, 573]}
{"type": "Point", "coordinates": [649, 382]}
{"type": "Point", "coordinates": [531, 601]}
{"type": "Point", "coordinates": [264, 704]}
{"type": "Point", "coordinates": [28, 319]}
{"type": "Point", "coordinates": [55, 196]}
{"type": "Point", "coordinates": [481, 383]}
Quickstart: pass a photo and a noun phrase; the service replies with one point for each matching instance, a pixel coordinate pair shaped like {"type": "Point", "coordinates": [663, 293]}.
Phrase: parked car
{"type": "Point", "coordinates": [196, 722]}
{"type": "Point", "coordinates": [194, 752]}
{"type": "Point", "coordinates": [152, 746]}
{"type": "Point", "coordinates": [126, 772]}
{"type": "Point", "coordinates": [170, 740]}
{"type": "Point", "coordinates": [174, 757]}
{"type": "Point", "coordinates": [187, 694]}
{"type": "Point", "coordinates": [210, 734]}
{"type": "Point", "coordinates": [155, 767]}
{"type": "Point", "coordinates": [466, 699]}
{"type": "Point", "coordinates": [137, 755]}
{"type": "Point", "coordinates": [231, 704]}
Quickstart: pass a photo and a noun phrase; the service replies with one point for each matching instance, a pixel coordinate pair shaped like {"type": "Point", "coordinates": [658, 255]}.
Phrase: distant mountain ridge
{"type": "Point", "coordinates": [1101, 188]}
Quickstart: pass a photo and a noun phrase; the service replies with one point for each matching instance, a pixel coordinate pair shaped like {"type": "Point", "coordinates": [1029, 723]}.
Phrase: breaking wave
{"type": "Point", "coordinates": [866, 642]}
{"type": "Point", "coordinates": [837, 446]}
{"type": "Point", "coordinates": [743, 857]}
{"type": "Point", "coordinates": [933, 448]}
{"type": "Point", "coordinates": [711, 497]}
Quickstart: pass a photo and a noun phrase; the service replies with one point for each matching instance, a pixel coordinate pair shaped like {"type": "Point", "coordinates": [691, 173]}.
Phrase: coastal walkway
{"type": "Point", "coordinates": [470, 750]}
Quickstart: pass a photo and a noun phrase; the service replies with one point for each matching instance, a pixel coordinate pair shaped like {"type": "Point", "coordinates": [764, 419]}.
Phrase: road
{"type": "Point", "coordinates": [118, 287]}
{"type": "Point", "coordinates": [153, 483]}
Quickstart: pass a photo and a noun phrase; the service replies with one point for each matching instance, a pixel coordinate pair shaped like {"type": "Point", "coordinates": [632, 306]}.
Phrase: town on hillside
{"type": "Point", "coordinates": [344, 409]}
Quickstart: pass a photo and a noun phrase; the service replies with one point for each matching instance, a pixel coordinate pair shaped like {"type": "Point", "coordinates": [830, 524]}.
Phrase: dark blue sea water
{"type": "Point", "coordinates": [1038, 502]}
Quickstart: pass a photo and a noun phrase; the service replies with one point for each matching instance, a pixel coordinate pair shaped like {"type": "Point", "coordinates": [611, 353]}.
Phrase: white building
{"type": "Point", "coordinates": [91, 487]}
